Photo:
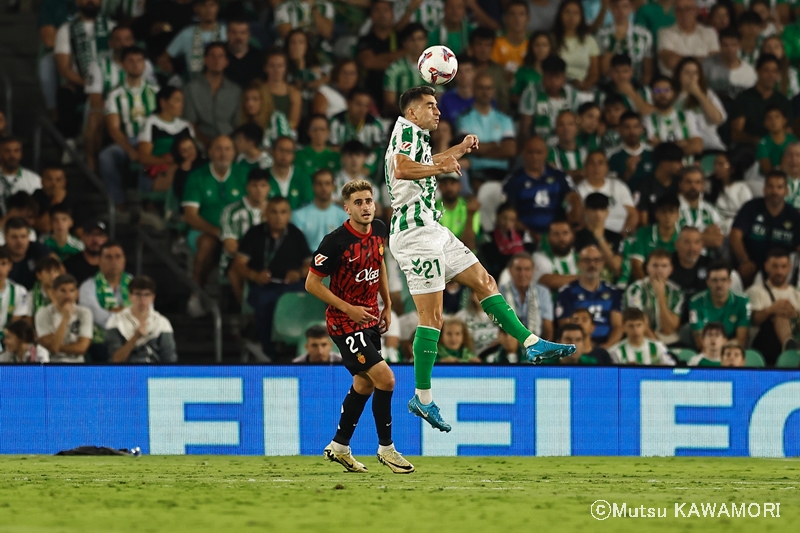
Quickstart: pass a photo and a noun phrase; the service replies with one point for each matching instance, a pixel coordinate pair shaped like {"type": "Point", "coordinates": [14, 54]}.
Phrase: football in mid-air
{"type": "Point", "coordinates": [438, 65]}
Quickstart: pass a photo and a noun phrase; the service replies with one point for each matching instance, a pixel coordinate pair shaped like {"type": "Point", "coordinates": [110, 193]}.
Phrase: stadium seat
{"type": "Point", "coordinates": [293, 312]}
{"type": "Point", "coordinates": [754, 359]}
{"type": "Point", "coordinates": [684, 354]}
{"type": "Point", "coordinates": [789, 359]}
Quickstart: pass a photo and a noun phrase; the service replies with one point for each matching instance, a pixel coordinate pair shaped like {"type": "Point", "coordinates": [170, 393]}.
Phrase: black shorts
{"type": "Point", "coordinates": [361, 350]}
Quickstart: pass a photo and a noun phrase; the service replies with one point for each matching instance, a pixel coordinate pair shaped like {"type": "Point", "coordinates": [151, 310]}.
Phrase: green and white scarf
{"type": "Point", "coordinates": [631, 354]}
{"type": "Point", "coordinates": [12, 298]}
{"type": "Point", "coordinates": [113, 75]}
{"type": "Point", "coordinates": [198, 48]}
{"type": "Point", "coordinates": [108, 300]}
{"type": "Point", "coordinates": [8, 186]}
{"type": "Point", "coordinates": [567, 160]}
{"type": "Point", "coordinates": [40, 297]}
{"type": "Point", "coordinates": [82, 49]}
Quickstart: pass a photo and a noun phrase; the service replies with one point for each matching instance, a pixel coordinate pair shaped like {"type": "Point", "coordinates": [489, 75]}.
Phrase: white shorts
{"type": "Point", "coordinates": [430, 256]}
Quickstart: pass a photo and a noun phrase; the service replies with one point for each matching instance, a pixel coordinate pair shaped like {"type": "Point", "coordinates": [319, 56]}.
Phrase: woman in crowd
{"type": "Point", "coordinates": [720, 17]}
{"type": "Point", "coordinates": [789, 84]}
{"type": "Point", "coordinates": [20, 345]}
{"type": "Point", "coordinates": [576, 46]}
{"type": "Point", "coordinates": [285, 97]}
{"type": "Point", "coordinates": [694, 95]}
{"type": "Point", "coordinates": [331, 98]}
{"type": "Point", "coordinates": [158, 135]}
{"type": "Point", "coordinates": [305, 73]}
{"type": "Point", "coordinates": [259, 108]}
{"type": "Point", "coordinates": [455, 343]}
{"type": "Point", "coordinates": [728, 192]}
{"type": "Point", "coordinates": [539, 47]}
{"type": "Point", "coordinates": [186, 158]}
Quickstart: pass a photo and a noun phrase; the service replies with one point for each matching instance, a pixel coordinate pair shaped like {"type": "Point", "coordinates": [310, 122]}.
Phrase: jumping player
{"type": "Point", "coordinates": [429, 254]}
{"type": "Point", "coordinates": [353, 256]}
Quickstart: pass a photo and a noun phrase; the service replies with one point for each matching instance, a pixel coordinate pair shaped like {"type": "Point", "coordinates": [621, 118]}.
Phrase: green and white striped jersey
{"type": "Point", "coordinates": [700, 218]}
{"type": "Point", "coordinates": [235, 220]}
{"type": "Point", "coordinates": [299, 14]}
{"type": "Point", "coordinates": [567, 160]}
{"type": "Point", "coordinates": [430, 14]}
{"type": "Point", "coordinates": [13, 302]}
{"type": "Point", "coordinates": [641, 296]}
{"type": "Point", "coordinates": [649, 353]}
{"type": "Point", "coordinates": [401, 76]}
{"type": "Point", "coordinates": [278, 126]}
{"type": "Point", "coordinates": [133, 105]}
{"type": "Point", "coordinates": [370, 132]}
{"type": "Point", "coordinates": [793, 198]}
{"type": "Point", "coordinates": [676, 126]}
{"type": "Point", "coordinates": [545, 109]}
{"type": "Point", "coordinates": [413, 201]}
{"type": "Point", "coordinates": [637, 44]}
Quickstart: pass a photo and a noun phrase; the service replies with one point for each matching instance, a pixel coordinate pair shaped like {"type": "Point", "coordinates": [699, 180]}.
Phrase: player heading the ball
{"type": "Point", "coordinates": [429, 254]}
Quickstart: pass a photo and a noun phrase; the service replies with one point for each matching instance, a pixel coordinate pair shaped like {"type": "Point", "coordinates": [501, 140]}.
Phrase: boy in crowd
{"type": "Point", "coordinates": [64, 327]}
{"type": "Point", "coordinates": [633, 159]}
{"type": "Point", "coordinates": [13, 297]}
{"type": "Point", "coordinates": [660, 299]}
{"type": "Point", "coordinates": [733, 356]}
{"type": "Point", "coordinates": [61, 241]}
{"type": "Point", "coordinates": [248, 139]}
{"type": "Point", "coordinates": [540, 105]}
{"type": "Point", "coordinates": [713, 340]}
{"type": "Point", "coordinates": [662, 234]}
{"type": "Point", "coordinates": [771, 147]}
{"type": "Point", "coordinates": [586, 354]}
{"type": "Point", "coordinates": [637, 348]}
{"type": "Point", "coordinates": [353, 161]}
{"type": "Point", "coordinates": [47, 269]}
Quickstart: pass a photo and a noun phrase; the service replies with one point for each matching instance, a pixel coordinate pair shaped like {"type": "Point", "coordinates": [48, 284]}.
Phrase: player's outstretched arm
{"type": "Point", "coordinates": [406, 168]}
{"type": "Point", "coordinates": [458, 151]}
{"type": "Point", "coordinates": [359, 315]}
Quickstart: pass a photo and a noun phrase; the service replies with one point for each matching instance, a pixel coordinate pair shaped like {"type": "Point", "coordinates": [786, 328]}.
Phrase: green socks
{"type": "Point", "coordinates": [501, 313]}
{"type": "Point", "coordinates": [425, 349]}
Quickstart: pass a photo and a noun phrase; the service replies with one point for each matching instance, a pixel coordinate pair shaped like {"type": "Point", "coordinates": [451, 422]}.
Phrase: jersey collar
{"type": "Point", "coordinates": [406, 122]}
{"type": "Point", "coordinates": [355, 232]}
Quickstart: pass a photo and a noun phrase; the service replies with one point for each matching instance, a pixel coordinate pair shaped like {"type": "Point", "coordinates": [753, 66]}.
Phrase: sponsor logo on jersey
{"type": "Point", "coordinates": [368, 274]}
{"type": "Point", "coordinates": [319, 259]}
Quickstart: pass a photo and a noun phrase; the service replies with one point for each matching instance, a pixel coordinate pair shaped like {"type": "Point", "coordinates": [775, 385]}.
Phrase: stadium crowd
{"type": "Point", "coordinates": [636, 190]}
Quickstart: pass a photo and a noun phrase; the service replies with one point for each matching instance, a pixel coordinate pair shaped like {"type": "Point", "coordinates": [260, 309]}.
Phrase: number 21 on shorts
{"type": "Point", "coordinates": [426, 267]}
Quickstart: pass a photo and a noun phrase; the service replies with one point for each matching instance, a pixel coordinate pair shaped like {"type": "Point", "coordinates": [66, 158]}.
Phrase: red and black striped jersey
{"type": "Point", "coordinates": [353, 261]}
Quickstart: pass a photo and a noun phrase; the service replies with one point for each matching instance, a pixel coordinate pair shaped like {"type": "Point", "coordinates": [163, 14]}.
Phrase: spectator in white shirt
{"type": "Point", "coordinates": [13, 177]}
{"type": "Point", "coordinates": [622, 215]}
{"type": "Point", "coordinates": [65, 328]}
{"type": "Point", "coordinates": [685, 38]}
{"type": "Point", "coordinates": [19, 345]}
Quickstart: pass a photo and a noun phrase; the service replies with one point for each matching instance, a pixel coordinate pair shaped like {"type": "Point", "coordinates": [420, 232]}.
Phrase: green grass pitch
{"type": "Point", "coordinates": [201, 494]}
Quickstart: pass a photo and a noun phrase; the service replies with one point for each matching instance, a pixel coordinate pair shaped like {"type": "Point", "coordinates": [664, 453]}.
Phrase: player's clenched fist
{"type": "Point", "coordinates": [470, 143]}
{"type": "Point", "coordinates": [450, 164]}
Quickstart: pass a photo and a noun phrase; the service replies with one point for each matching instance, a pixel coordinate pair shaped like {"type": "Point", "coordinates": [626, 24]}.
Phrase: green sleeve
{"type": "Point", "coordinates": [192, 193]}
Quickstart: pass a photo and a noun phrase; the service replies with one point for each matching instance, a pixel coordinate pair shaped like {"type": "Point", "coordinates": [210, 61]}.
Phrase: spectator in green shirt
{"type": "Point", "coordinates": [285, 178]}
{"type": "Point", "coordinates": [713, 338]}
{"type": "Point", "coordinates": [662, 234]}
{"type": "Point", "coordinates": [459, 215]}
{"type": "Point", "coordinates": [403, 73]}
{"type": "Point", "coordinates": [60, 240]}
{"type": "Point", "coordinates": [720, 304]}
{"type": "Point", "coordinates": [208, 190]}
{"type": "Point", "coordinates": [248, 140]}
{"type": "Point", "coordinates": [771, 147]}
{"type": "Point", "coordinates": [317, 154]}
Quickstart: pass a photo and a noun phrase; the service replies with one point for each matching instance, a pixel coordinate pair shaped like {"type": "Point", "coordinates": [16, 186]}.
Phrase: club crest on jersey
{"type": "Point", "coordinates": [380, 249]}
{"type": "Point", "coordinates": [319, 259]}
{"type": "Point", "coordinates": [361, 358]}
{"type": "Point", "coordinates": [405, 146]}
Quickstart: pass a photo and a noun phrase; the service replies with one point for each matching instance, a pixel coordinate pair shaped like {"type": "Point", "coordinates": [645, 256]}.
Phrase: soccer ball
{"type": "Point", "coordinates": [438, 65]}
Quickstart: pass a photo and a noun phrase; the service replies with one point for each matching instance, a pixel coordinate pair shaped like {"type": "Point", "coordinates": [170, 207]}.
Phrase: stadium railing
{"type": "Point", "coordinates": [44, 124]}
{"type": "Point", "coordinates": [8, 100]}
{"type": "Point", "coordinates": [142, 240]}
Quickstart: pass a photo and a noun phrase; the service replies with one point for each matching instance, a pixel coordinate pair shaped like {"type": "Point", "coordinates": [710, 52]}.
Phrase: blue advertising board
{"type": "Point", "coordinates": [494, 410]}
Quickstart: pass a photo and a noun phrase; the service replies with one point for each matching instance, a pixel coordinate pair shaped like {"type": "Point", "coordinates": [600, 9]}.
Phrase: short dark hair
{"type": "Point", "coordinates": [482, 33]}
{"type": "Point", "coordinates": [320, 172]}
{"type": "Point", "coordinates": [632, 313]}
{"type": "Point", "coordinates": [714, 326]}
{"type": "Point", "coordinates": [667, 152]}
{"type": "Point", "coordinates": [659, 253]}
{"type": "Point", "coordinates": [5, 253]}
{"type": "Point", "coordinates": [774, 107]}
{"type": "Point", "coordinates": [691, 169]}
{"type": "Point", "coordinates": [613, 99]}
{"type": "Point", "coordinates": [22, 330]}
{"type": "Point", "coordinates": [48, 262]}
{"type": "Point", "coordinates": [596, 200]}
{"type": "Point", "coordinates": [587, 106]}
{"type": "Point", "coordinates": [257, 174]}
{"type": "Point", "coordinates": [357, 91]}
{"type": "Point", "coordinates": [779, 174]}
{"type": "Point", "coordinates": [142, 283]}
{"type": "Point", "coordinates": [131, 50]}
{"type": "Point", "coordinates": [21, 200]}
{"type": "Point", "coordinates": [409, 31]}
{"type": "Point", "coordinates": [65, 279]}
{"type": "Point", "coordinates": [16, 223]}
{"type": "Point", "coordinates": [317, 331]}
{"type": "Point", "coordinates": [519, 255]}
{"type": "Point", "coordinates": [630, 115]}
{"type": "Point", "coordinates": [719, 265]}
{"type": "Point", "coordinates": [619, 60]}
{"type": "Point", "coordinates": [660, 79]}
{"type": "Point", "coordinates": [320, 116]}
{"type": "Point", "coordinates": [61, 208]}
{"type": "Point", "coordinates": [570, 327]}
{"type": "Point", "coordinates": [777, 252]}
{"type": "Point", "coordinates": [414, 94]}
{"type": "Point", "coordinates": [730, 33]}
{"type": "Point", "coordinates": [214, 44]}
{"type": "Point", "coordinates": [354, 147]}
{"type": "Point", "coordinates": [111, 244]}
{"type": "Point", "coordinates": [763, 59]}
{"type": "Point", "coordinates": [522, 3]}
{"type": "Point", "coordinates": [505, 206]}
{"type": "Point", "coordinates": [667, 202]}
{"type": "Point", "coordinates": [9, 139]}
{"type": "Point", "coordinates": [250, 131]}
{"type": "Point", "coordinates": [281, 139]}
{"type": "Point", "coordinates": [553, 64]}
{"type": "Point", "coordinates": [749, 17]}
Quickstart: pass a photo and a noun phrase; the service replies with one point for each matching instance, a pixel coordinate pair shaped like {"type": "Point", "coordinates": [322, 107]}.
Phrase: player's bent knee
{"type": "Point", "coordinates": [363, 384]}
